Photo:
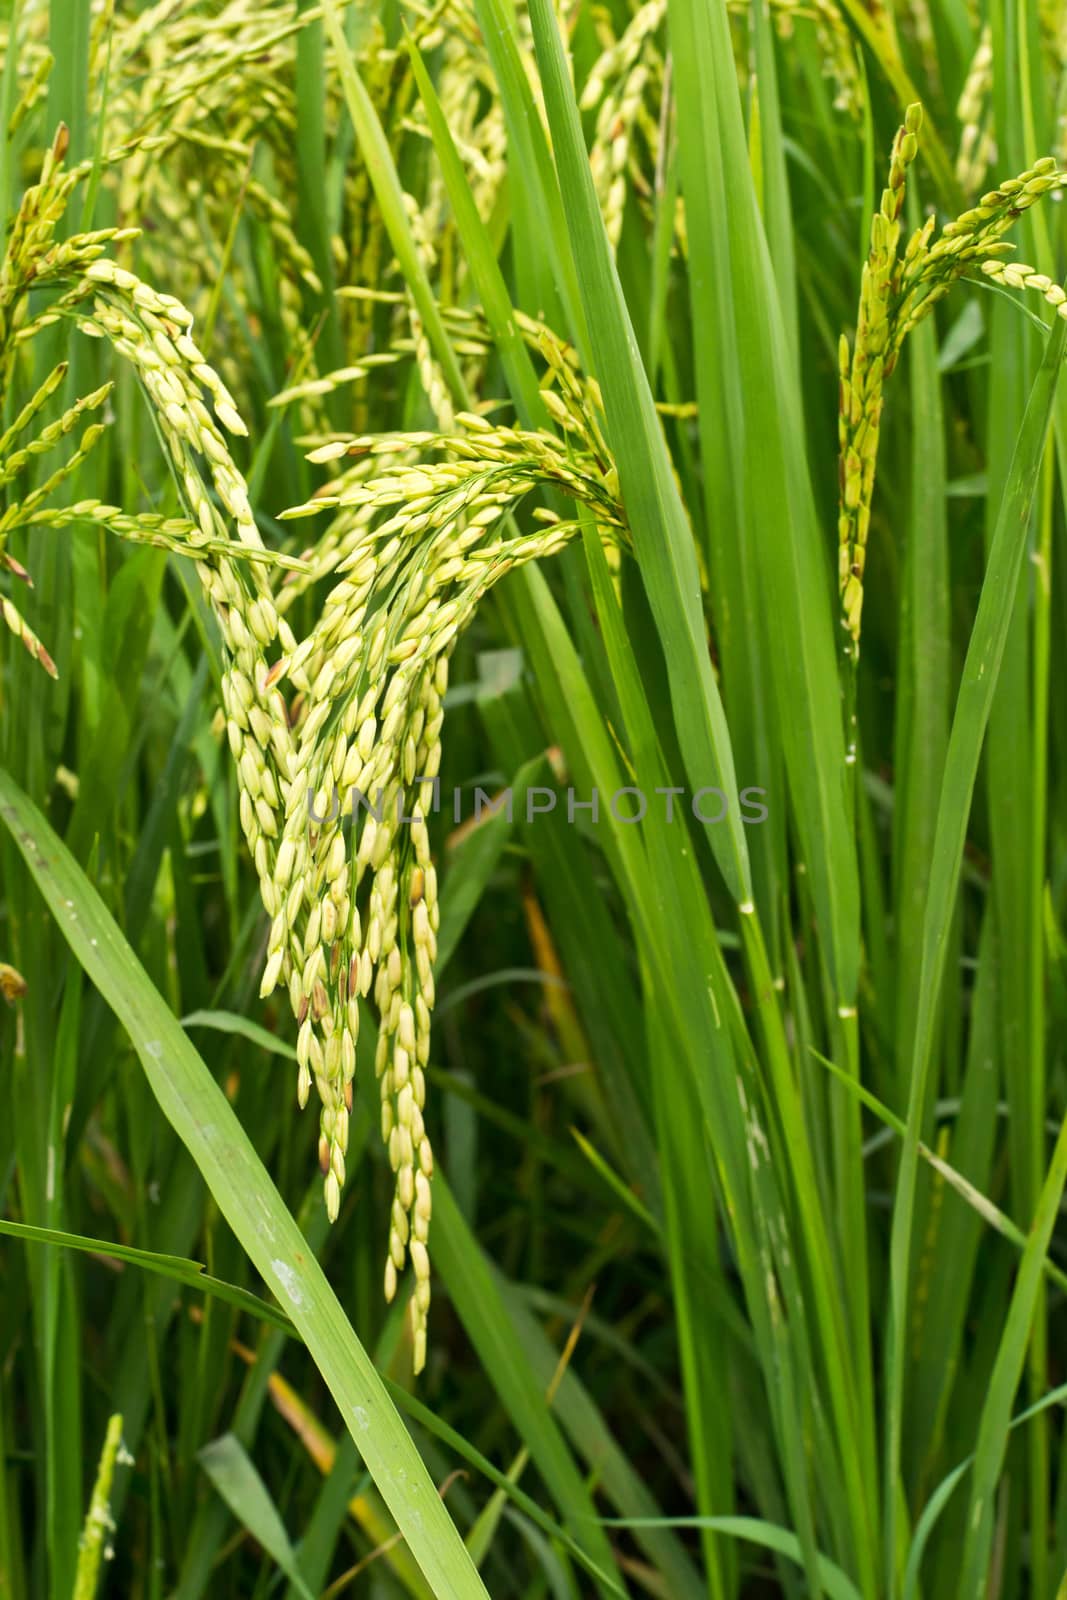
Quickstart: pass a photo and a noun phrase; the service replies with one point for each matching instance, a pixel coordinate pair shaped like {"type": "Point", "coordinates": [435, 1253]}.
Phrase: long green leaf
{"type": "Point", "coordinates": [995, 1422]}
{"type": "Point", "coordinates": [837, 1584]}
{"type": "Point", "coordinates": [737, 315]}
{"type": "Point", "coordinates": [663, 539]}
{"type": "Point", "coordinates": [947, 1487]}
{"type": "Point", "coordinates": [179, 1268]}
{"type": "Point", "coordinates": [980, 674]}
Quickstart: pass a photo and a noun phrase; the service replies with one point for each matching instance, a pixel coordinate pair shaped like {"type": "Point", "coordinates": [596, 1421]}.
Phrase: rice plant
{"type": "Point", "coordinates": [533, 883]}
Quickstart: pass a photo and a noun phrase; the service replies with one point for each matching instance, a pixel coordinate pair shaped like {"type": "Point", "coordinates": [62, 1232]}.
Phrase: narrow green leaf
{"type": "Point", "coordinates": [179, 1268]}
{"type": "Point", "coordinates": [947, 1487]}
{"type": "Point", "coordinates": [980, 674]}
{"type": "Point", "coordinates": [736, 312]}
{"type": "Point", "coordinates": [533, 170]}
{"type": "Point", "coordinates": [995, 1421]}
{"type": "Point", "coordinates": [837, 1584]}
{"type": "Point", "coordinates": [663, 539]}
{"type": "Point", "coordinates": [487, 276]}
{"type": "Point", "coordinates": [381, 167]}
{"type": "Point", "coordinates": [227, 1464]}
{"type": "Point", "coordinates": [477, 1302]}
{"type": "Point", "coordinates": [234, 1022]}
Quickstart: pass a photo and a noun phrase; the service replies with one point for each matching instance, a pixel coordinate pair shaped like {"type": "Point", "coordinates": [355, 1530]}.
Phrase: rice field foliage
{"type": "Point", "coordinates": [533, 878]}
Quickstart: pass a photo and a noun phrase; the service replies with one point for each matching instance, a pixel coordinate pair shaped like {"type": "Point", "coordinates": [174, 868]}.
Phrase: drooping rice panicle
{"type": "Point", "coordinates": [429, 540]}
{"type": "Point", "coordinates": [898, 289]}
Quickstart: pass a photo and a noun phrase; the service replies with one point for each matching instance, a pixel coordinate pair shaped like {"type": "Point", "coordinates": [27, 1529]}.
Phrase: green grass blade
{"type": "Point", "coordinates": [533, 160]}
{"type": "Point", "coordinates": [488, 278]}
{"type": "Point", "coordinates": [737, 314]}
{"type": "Point", "coordinates": [477, 1301]}
{"type": "Point", "coordinates": [947, 1487]}
{"type": "Point", "coordinates": [662, 537]}
{"type": "Point", "coordinates": [980, 673]}
{"type": "Point", "coordinates": [923, 703]}
{"type": "Point", "coordinates": [234, 1022]}
{"type": "Point", "coordinates": [592, 1437]}
{"type": "Point", "coordinates": [178, 1268]}
{"type": "Point", "coordinates": [227, 1464]}
{"type": "Point", "coordinates": [381, 167]}
{"type": "Point", "coordinates": [837, 1584]}
{"type": "Point", "coordinates": [995, 1424]}
{"type": "Point", "coordinates": [463, 1448]}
